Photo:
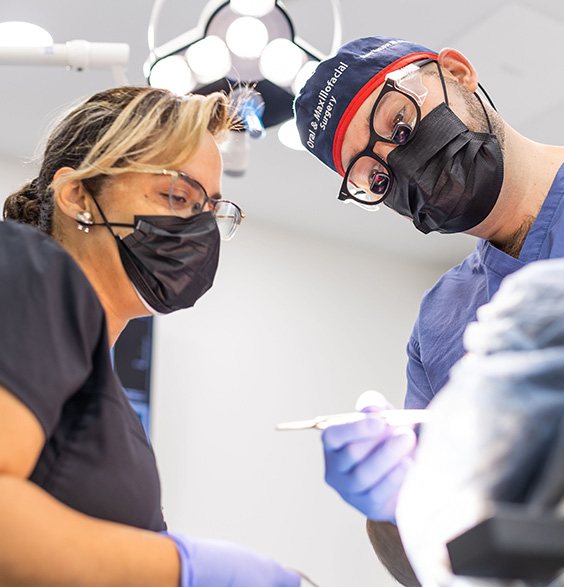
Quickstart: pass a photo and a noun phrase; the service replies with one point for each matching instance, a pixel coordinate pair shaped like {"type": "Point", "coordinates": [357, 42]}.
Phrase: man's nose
{"type": "Point", "coordinates": [383, 149]}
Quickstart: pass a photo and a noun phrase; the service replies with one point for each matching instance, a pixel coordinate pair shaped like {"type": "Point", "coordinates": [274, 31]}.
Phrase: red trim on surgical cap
{"type": "Point", "coordinates": [361, 96]}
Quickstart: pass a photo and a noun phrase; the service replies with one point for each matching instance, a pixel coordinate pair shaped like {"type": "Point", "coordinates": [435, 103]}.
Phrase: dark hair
{"type": "Point", "coordinates": [24, 205]}
{"type": "Point", "coordinates": [113, 132]}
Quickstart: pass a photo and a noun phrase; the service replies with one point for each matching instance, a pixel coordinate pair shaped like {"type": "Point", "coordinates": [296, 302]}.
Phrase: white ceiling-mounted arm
{"type": "Point", "coordinates": [77, 55]}
{"type": "Point", "coordinates": [337, 26]}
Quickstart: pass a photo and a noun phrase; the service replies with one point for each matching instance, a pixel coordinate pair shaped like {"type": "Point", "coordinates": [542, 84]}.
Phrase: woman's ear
{"type": "Point", "coordinates": [70, 198]}
{"type": "Point", "coordinates": [459, 67]}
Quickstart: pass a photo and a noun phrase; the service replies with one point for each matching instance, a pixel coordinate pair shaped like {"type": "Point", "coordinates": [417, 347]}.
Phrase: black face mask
{"type": "Point", "coordinates": [171, 261]}
{"type": "Point", "coordinates": [447, 178]}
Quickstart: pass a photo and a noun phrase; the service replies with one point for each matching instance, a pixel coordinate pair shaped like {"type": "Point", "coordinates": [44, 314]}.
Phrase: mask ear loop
{"type": "Point", "coordinates": [483, 90]}
{"type": "Point", "coordinates": [475, 93]}
{"type": "Point", "coordinates": [105, 222]}
{"type": "Point", "coordinates": [485, 112]}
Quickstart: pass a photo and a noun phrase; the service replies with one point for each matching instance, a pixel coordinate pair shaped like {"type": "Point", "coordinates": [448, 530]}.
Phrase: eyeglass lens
{"type": "Point", "coordinates": [187, 198]}
{"type": "Point", "coordinates": [368, 179]}
{"type": "Point", "coordinates": [228, 218]}
{"type": "Point", "coordinates": [394, 119]}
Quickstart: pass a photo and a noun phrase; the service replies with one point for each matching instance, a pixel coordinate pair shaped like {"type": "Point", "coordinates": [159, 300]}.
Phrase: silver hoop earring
{"type": "Point", "coordinates": [84, 220]}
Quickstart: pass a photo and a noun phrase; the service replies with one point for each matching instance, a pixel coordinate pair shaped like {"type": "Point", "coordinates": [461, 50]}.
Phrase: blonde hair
{"type": "Point", "coordinates": [118, 131]}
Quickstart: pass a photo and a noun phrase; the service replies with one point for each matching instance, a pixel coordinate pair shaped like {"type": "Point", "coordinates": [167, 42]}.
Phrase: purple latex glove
{"type": "Point", "coordinates": [366, 461]}
{"type": "Point", "coordinates": [212, 563]}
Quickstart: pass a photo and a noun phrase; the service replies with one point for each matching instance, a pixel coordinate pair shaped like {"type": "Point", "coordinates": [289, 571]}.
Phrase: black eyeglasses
{"type": "Point", "coordinates": [394, 119]}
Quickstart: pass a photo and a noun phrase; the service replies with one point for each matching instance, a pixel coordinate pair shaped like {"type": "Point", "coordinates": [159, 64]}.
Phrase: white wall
{"type": "Point", "coordinates": [294, 327]}
{"type": "Point", "coordinates": [14, 173]}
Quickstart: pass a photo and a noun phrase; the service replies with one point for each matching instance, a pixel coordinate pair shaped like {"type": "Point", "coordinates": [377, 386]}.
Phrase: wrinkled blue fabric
{"type": "Point", "coordinates": [436, 341]}
{"type": "Point", "coordinates": [497, 428]}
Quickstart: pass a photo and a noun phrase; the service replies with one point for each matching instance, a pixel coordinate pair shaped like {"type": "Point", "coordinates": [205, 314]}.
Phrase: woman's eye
{"type": "Point", "coordinates": [184, 203]}
{"type": "Point", "coordinates": [179, 199]}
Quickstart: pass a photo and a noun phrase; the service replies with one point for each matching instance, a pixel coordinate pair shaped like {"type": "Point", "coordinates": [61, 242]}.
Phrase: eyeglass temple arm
{"type": "Point", "coordinates": [480, 86]}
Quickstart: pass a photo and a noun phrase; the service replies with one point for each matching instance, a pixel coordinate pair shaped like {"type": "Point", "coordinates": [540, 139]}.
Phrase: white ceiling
{"type": "Point", "coordinates": [516, 46]}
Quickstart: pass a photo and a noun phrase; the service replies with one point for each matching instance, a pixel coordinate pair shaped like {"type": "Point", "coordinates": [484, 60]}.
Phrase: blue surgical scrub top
{"type": "Point", "coordinates": [436, 341]}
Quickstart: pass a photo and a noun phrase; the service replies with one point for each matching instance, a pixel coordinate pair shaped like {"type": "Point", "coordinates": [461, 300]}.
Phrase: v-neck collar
{"type": "Point", "coordinates": [501, 262]}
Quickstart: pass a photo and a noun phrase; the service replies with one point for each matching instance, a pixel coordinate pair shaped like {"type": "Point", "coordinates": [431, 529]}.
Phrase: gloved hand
{"type": "Point", "coordinates": [211, 563]}
{"type": "Point", "coordinates": [366, 461]}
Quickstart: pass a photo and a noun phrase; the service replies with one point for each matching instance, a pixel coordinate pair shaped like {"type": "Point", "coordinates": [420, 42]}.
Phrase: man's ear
{"type": "Point", "coordinates": [459, 67]}
{"type": "Point", "coordinates": [70, 197]}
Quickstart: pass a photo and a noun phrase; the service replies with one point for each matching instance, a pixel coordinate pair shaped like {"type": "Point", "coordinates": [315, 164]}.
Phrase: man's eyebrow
{"type": "Point", "coordinates": [346, 162]}
{"type": "Point", "coordinates": [216, 196]}
{"type": "Point", "coordinates": [368, 120]}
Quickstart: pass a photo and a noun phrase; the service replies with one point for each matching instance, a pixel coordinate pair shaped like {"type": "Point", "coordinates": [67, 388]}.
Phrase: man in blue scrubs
{"type": "Point", "coordinates": [411, 129]}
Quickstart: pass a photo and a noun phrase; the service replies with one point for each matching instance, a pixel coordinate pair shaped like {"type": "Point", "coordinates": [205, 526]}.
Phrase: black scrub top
{"type": "Point", "coordinates": [54, 356]}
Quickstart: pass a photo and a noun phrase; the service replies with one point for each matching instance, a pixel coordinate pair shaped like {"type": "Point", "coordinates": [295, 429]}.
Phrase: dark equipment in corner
{"type": "Point", "coordinates": [514, 543]}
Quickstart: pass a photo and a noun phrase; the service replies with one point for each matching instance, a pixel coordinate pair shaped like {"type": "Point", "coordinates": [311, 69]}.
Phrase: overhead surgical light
{"type": "Point", "coordinates": [289, 136]}
{"type": "Point", "coordinates": [247, 37]}
{"type": "Point", "coordinates": [241, 44]}
{"type": "Point", "coordinates": [252, 7]}
{"type": "Point", "coordinates": [209, 59]}
{"type": "Point", "coordinates": [303, 75]}
{"type": "Point", "coordinates": [281, 61]}
{"type": "Point", "coordinates": [173, 74]}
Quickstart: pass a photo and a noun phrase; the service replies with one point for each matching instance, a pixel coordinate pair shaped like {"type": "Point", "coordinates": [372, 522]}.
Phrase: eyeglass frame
{"type": "Point", "coordinates": [390, 84]}
{"type": "Point", "coordinates": [212, 202]}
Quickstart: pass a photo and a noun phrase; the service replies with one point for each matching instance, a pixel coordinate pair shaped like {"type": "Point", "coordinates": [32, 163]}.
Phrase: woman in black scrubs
{"type": "Point", "coordinates": [124, 220]}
